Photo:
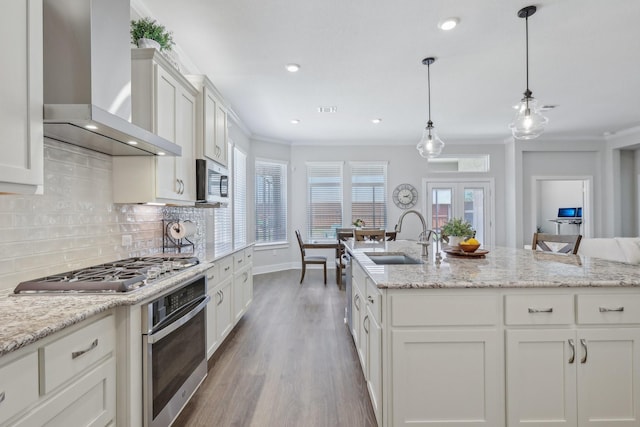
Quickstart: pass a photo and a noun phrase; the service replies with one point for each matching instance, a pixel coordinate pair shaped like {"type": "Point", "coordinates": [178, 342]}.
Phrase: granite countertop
{"type": "Point", "coordinates": [500, 268]}
{"type": "Point", "coordinates": [28, 318]}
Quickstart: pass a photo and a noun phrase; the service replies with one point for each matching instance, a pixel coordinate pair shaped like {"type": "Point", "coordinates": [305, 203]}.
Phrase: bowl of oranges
{"type": "Point", "coordinates": [469, 245]}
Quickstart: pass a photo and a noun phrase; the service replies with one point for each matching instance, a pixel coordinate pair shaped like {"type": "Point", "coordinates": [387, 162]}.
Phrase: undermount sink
{"type": "Point", "coordinates": [384, 258]}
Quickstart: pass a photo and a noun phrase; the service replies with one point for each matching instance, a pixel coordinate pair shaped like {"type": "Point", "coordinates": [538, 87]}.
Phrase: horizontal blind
{"type": "Point", "coordinates": [222, 230]}
{"type": "Point", "coordinates": [368, 193]}
{"type": "Point", "coordinates": [271, 201]}
{"type": "Point", "coordinates": [324, 199]}
{"type": "Point", "coordinates": [239, 198]}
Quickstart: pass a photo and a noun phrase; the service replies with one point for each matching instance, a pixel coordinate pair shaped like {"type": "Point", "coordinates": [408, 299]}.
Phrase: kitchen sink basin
{"type": "Point", "coordinates": [384, 258]}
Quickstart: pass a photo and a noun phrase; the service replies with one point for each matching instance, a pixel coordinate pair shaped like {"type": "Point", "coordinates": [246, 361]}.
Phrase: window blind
{"type": "Point", "coordinates": [222, 221]}
{"type": "Point", "coordinates": [368, 193]}
{"type": "Point", "coordinates": [271, 201]}
{"type": "Point", "coordinates": [239, 198]}
{"type": "Point", "coordinates": [324, 199]}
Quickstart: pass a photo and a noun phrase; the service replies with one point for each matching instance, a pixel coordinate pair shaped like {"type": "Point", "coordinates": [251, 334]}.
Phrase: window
{"type": "Point", "coordinates": [239, 198]}
{"type": "Point", "coordinates": [368, 193]}
{"type": "Point", "coordinates": [271, 201]}
{"type": "Point", "coordinates": [324, 199]}
{"type": "Point", "coordinates": [222, 223]}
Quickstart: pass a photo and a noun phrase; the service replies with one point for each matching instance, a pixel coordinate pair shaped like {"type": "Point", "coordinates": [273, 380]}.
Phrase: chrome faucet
{"type": "Point", "coordinates": [424, 238]}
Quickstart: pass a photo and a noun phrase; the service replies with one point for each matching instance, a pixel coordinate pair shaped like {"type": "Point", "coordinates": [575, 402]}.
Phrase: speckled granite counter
{"type": "Point", "coordinates": [501, 268]}
{"type": "Point", "coordinates": [27, 318]}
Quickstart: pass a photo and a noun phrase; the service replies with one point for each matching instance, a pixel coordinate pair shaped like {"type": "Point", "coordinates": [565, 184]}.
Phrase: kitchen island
{"type": "Point", "coordinates": [515, 338]}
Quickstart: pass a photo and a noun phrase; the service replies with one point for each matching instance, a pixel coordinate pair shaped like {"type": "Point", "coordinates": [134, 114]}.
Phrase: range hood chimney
{"type": "Point", "coordinates": [87, 79]}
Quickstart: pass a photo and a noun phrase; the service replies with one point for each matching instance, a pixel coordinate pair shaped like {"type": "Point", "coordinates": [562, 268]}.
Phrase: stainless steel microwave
{"type": "Point", "coordinates": [212, 183]}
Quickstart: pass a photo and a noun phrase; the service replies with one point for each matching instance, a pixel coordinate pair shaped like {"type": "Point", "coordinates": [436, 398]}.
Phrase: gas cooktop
{"type": "Point", "coordinates": [119, 276]}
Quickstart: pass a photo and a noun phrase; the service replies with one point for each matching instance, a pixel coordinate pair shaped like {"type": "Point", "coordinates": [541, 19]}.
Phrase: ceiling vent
{"type": "Point", "coordinates": [329, 109]}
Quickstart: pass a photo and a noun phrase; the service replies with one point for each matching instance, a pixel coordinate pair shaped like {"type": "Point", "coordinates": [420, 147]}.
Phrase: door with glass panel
{"type": "Point", "coordinates": [468, 200]}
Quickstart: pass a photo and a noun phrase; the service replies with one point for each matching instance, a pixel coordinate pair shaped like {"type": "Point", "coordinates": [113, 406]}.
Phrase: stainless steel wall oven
{"type": "Point", "coordinates": [174, 345]}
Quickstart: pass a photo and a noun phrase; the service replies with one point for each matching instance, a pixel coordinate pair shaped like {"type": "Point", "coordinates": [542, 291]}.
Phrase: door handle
{"type": "Point", "coordinates": [572, 344]}
{"type": "Point", "coordinates": [584, 345]}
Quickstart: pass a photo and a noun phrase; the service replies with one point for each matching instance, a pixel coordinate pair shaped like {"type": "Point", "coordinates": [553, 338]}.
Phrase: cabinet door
{"type": "Point", "coordinates": [609, 377]}
{"type": "Point", "coordinates": [224, 313]}
{"type": "Point", "coordinates": [166, 126]}
{"type": "Point", "coordinates": [445, 377]}
{"type": "Point", "coordinates": [185, 165]}
{"type": "Point", "coordinates": [239, 283]}
{"type": "Point", "coordinates": [541, 377]}
{"type": "Point", "coordinates": [374, 353]}
{"type": "Point", "coordinates": [248, 289]}
{"type": "Point", "coordinates": [21, 92]}
{"type": "Point", "coordinates": [212, 330]}
{"type": "Point", "coordinates": [221, 135]}
{"type": "Point", "coordinates": [209, 136]}
{"type": "Point", "coordinates": [356, 316]}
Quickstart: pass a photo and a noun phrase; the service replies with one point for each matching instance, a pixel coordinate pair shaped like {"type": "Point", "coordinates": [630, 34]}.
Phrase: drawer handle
{"type": "Point", "coordinates": [584, 345]}
{"type": "Point", "coordinates": [541, 310]}
{"type": "Point", "coordinates": [370, 299]}
{"type": "Point", "coordinates": [364, 324]}
{"type": "Point", "coordinates": [2, 397]}
{"type": "Point", "coordinates": [607, 309]}
{"type": "Point", "coordinates": [77, 354]}
{"type": "Point", "coordinates": [227, 268]}
{"type": "Point", "coordinates": [573, 351]}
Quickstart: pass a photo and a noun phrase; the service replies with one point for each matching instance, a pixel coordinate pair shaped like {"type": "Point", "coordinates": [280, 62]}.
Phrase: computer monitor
{"type": "Point", "coordinates": [567, 212]}
{"type": "Point", "coordinates": [579, 213]}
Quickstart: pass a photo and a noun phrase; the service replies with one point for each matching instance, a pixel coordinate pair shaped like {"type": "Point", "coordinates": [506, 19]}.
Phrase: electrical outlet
{"type": "Point", "coordinates": [127, 240]}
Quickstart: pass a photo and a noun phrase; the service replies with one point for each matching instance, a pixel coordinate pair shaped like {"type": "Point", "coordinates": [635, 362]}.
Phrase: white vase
{"type": "Point", "coordinates": [454, 241]}
{"type": "Point", "coordinates": [145, 43]}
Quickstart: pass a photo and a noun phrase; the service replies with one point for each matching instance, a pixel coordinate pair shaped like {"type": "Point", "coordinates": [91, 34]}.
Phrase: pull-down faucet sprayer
{"type": "Point", "coordinates": [425, 237]}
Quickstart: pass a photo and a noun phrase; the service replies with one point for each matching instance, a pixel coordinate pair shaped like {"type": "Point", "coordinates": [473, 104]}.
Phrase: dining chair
{"type": "Point", "coordinates": [342, 235]}
{"type": "Point", "coordinates": [391, 235]}
{"type": "Point", "coordinates": [308, 259]}
{"type": "Point", "coordinates": [571, 241]}
{"type": "Point", "coordinates": [373, 234]}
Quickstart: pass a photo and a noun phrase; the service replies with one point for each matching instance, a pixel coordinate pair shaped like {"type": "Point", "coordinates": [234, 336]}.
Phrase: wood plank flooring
{"type": "Point", "coordinates": [289, 362]}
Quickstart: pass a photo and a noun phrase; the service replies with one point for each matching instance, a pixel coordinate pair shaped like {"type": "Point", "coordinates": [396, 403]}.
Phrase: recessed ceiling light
{"type": "Point", "coordinates": [292, 68]}
{"type": "Point", "coordinates": [376, 121]}
{"type": "Point", "coordinates": [91, 127]}
{"type": "Point", "coordinates": [448, 24]}
{"type": "Point", "coordinates": [132, 142]}
{"type": "Point", "coordinates": [161, 153]}
{"type": "Point", "coordinates": [295, 121]}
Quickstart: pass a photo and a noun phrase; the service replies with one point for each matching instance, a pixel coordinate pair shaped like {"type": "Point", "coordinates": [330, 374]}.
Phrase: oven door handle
{"type": "Point", "coordinates": [157, 336]}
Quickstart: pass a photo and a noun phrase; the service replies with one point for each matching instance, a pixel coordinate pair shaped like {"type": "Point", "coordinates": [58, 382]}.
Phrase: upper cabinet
{"type": "Point", "coordinates": [21, 137]}
{"type": "Point", "coordinates": [163, 102]}
{"type": "Point", "coordinates": [212, 134]}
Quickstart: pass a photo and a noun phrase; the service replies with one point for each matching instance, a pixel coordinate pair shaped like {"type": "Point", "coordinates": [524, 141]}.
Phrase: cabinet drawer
{"type": "Point", "coordinates": [374, 301]}
{"type": "Point", "coordinates": [72, 354]}
{"type": "Point", "coordinates": [213, 276]}
{"type": "Point", "coordinates": [539, 309]}
{"type": "Point", "coordinates": [608, 309]}
{"type": "Point", "coordinates": [440, 310]}
{"type": "Point", "coordinates": [18, 385]}
{"type": "Point", "coordinates": [239, 260]}
{"type": "Point", "coordinates": [226, 268]}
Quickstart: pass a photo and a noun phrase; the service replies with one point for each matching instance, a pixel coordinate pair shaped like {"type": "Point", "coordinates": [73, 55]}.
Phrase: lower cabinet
{"type": "Point", "coordinates": [573, 377]}
{"type": "Point", "coordinates": [66, 379]}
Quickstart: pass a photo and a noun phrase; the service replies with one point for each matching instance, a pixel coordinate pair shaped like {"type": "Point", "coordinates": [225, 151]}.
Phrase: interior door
{"type": "Point", "coordinates": [468, 200]}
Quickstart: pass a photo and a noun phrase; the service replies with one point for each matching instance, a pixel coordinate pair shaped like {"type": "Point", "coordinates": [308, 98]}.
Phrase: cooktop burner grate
{"type": "Point", "coordinates": [117, 276]}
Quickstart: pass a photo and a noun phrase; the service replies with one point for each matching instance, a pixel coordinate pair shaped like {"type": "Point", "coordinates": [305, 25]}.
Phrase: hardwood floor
{"type": "Point", "coordinates": [289, 362]}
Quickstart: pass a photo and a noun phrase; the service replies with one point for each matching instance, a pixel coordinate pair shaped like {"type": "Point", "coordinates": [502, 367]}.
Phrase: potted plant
{"type": "Point", "coordinates": [456, 230]}
{"type": "Point", "coordinates": [146, 32]}
{"type": "Point", "coordinates": [358, 223]}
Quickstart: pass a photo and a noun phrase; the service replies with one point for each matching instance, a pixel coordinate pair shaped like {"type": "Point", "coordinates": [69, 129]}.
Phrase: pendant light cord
{"type": "Point", "coordinates": [526, 23]}
{"type": "Point", "coordinates": [429, 123]}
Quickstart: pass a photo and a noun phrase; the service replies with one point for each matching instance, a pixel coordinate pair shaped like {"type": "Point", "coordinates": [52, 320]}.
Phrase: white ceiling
{"type": "Point", "coordinates": [364, 56]}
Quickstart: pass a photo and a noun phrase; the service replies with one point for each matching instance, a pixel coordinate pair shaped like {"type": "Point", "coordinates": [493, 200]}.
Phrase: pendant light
{"type": "Point", "coordinates": [430, 144]}
{"type": "Point", "coordinates": [528, 122]}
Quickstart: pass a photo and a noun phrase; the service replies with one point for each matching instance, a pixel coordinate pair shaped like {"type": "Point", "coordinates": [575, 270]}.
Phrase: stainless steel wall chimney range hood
{"type": "Point", "coordinates": [87, 79]}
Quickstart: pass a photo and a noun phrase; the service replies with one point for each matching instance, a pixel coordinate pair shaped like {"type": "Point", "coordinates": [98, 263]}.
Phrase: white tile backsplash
{"type": "Point", "coordinates": [74, 224]}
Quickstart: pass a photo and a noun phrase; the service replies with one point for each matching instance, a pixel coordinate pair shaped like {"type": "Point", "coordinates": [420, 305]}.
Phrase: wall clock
{"type": "Point", "coordinates": [405, 196]}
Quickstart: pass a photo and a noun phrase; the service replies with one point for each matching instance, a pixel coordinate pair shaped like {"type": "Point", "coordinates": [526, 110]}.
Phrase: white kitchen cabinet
{"type": "Point", "coordinates": [583, 374]}
{"type": "Point", "coordinates": [373, 331]}
{"type": "Point", "coordinates": [211, 123]}
{"type": "Point", "coordinates": [358, 286]}
{"type": "Point", "coordinates": [68, 378]}
{"type": "Point", "coordinates": [21, 91]}
{"type": "Point", "coordinates": [163, 102]}
{"type": "Point", "coordinates": [242, 282]}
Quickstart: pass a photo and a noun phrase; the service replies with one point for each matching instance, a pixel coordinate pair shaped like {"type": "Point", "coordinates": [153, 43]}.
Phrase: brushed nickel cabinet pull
{"type": "Point", "coordinates": [77, 354]}
{"type": "Point", "coordinates": [573, 351]}
{"type": "Point", "coordinates": [355, 301]}
{"type": "Point", "coordinates": [227, 268]}
{"type": "Point", "coordinates": [584, 345]}
{"type": "Point", "coordinates": [370, 299]}
{"type": "Point", "coordinates": [364, 324]}
{"type": "Point", "coordinates": [2, 397]}
{"type": "Point", "coordinates": [221, 296]}
{"type": "Point", "coordinates": [607, 309]}
{"type": "Point", "coordinates": [541, 310]}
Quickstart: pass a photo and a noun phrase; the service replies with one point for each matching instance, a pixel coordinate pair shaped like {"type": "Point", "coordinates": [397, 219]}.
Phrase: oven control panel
{"type": "Point", "coordinates": [177, 300]}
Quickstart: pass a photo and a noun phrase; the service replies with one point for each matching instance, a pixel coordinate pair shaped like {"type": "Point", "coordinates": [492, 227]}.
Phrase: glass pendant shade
{"type": "Point", "coordinates": [528, 123]}
{"type": "Point", "coordinates": [430, 144]}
